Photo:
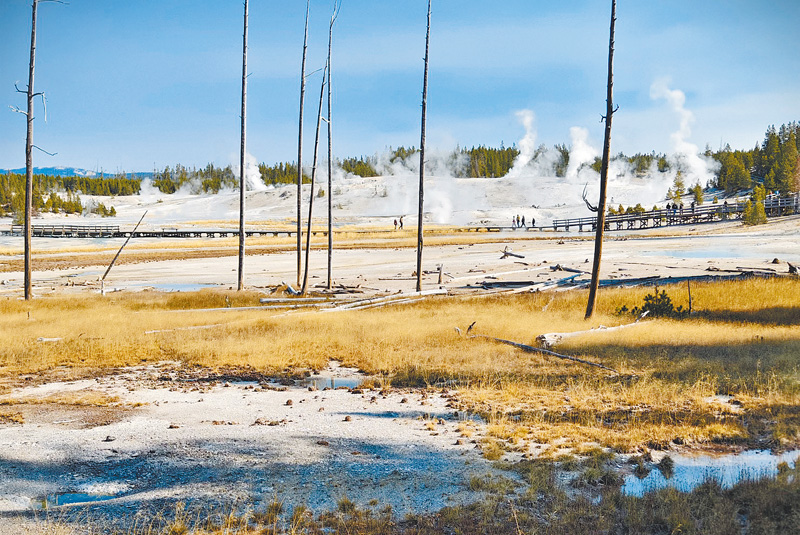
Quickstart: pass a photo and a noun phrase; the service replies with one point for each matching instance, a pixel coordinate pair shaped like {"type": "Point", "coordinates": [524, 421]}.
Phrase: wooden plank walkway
{"type": "Point", "coordinates": [114, 231]}
{"type": "Point", "coordinates": [773, 205]}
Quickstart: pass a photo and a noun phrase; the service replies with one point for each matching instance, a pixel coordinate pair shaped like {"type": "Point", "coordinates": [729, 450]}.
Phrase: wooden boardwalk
{"type": "Point", "coordinates": [774, 206]}
{"type": "Point", "coordinates": [114, 231]}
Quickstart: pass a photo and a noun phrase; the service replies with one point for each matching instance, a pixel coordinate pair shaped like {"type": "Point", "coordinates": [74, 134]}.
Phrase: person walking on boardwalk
{"type": "Point", "coordinates": [523, 221]}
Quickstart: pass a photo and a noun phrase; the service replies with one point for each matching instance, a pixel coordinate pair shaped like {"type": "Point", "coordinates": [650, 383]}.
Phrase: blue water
{"type": "Point", "coordinates": [700, 253]}
{"type": "Point", "coordinates": [70, 498]}
{"type": "Point", "coordinates": [692, 470]}
{"type": "Point", "coordinates": [322, 381]}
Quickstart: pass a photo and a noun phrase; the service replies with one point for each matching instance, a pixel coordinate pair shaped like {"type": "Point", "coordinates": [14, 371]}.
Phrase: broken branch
{"type": "Point", "coordinates": [550, 339]}
{"type": "Point", "coordinates": [530, 349]}
{"type": "Point", "coordinates": [585, 200]}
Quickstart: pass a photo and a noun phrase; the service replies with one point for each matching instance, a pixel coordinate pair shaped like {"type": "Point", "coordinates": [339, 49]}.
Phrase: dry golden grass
{"type": "Point", "coordinates": [743, 340]}
{"type": "Point", "coordinates": [83, 398]}
{"type": "Point", "coordinates": [8, 417]}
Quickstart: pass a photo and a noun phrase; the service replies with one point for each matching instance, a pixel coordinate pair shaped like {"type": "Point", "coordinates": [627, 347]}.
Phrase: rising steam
{"type": "Point", "coordinates": [686, 155]}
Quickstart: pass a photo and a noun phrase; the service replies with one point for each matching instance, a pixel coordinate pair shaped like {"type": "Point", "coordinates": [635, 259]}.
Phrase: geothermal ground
{"type": "Point", "coordinates": [177, 433]}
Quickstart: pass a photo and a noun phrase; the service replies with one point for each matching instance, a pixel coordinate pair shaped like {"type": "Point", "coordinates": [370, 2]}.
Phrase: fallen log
{"type": "Point", "coordinates": [352, 305]}
{"type": "Point", "coordinates": [530, 349]}
{"type": "Point", "coordinates": [559, 267]}
{"type": "Point", "coordinates": [507, 252]}
{"type": "Point", "coordinates": [768, 270]}
{"type": "Point", "coordinates": [548, 340]}
{"type": "Point", "coordinates": [293, 299]}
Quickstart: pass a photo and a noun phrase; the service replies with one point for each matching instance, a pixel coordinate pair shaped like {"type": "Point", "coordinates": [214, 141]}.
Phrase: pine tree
{"type": "Point", "coordinates": [754, 213]}
{"type": "Point", "coordinates": [787, 169]}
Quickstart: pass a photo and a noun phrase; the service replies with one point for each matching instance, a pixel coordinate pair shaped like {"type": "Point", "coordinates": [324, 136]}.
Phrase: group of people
{"type": "Point", "coordinates": [401, 223]}
{"type": "Point", "coordinates": [675, 207]}
{"type": "Point", "coordinates": [517, 222]}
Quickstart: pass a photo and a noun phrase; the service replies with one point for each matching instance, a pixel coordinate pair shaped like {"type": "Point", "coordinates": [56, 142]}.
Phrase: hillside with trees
{"type": "Point", "coordinates": [773, 164]}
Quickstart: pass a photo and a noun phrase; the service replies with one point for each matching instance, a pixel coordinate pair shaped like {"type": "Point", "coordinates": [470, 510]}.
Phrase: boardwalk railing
{"type": "Point", "coordinates": [113, 231]}
{"type": "Point", "coordinates": [774, 205]}
{"type": "Point", "coordinates": [69, 231]}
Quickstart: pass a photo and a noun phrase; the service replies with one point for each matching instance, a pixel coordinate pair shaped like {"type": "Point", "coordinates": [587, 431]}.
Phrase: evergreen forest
{"type": "Point", "coordinates": [773, 164]}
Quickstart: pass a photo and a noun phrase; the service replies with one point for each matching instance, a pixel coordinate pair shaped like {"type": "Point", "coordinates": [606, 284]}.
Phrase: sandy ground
{"type": "Point", "coordinates": [184, 435]}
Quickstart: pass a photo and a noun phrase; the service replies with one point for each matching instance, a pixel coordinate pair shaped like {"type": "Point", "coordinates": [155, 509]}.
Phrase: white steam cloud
{"type": "Point", "coordinates": [526, 145]}
{"type": "Point", "coordinates": [252, 175]}
{"type": "Point", "coordinates": [686, 155]}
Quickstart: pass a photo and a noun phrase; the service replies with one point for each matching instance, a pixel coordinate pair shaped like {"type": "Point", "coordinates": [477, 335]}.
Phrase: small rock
{"type": "Point", "coordinates": [321, 409]}
{"type": "Point", "coordinates": [323, 443]}
{"type": "Point", "coordinates": [348, 419]}
{"type": "Point", "coordinates": [459, 442]}
{"type": "Point", "coordinates": [288, 402]}
{"type": "Point", "coordinates": [109, 438]}
{"type": "Point", "coordinates": [173, 426]}
{"type": "Point", "coordinates": [404, 400]}
{"type": "Point", "coordinates": [776, 261]}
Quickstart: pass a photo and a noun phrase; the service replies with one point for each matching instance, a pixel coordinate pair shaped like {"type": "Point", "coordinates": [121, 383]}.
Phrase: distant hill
{"type": "Point", "coordinates": [70, 171]}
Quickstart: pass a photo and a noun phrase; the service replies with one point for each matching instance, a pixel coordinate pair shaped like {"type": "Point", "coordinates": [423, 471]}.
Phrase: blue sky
{"type": "Point", "coordinates": [133, 84]}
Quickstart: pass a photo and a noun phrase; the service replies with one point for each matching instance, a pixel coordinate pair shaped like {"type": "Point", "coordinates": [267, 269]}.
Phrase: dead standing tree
{"type": "Point", "coordinates": [313, 180]}
{"type": "Point", "coordinates": [422, 154]}
{"type": "Point", "coordinates": [242, 170]}
{"type": "Point", "coordinates": [336, 8]}
{"type": "Point", "coordinates": [601, 205]}
{"type": "Point", "coordinates": [300, 149]}
{"type": "Point", "coordinates": [29, 146]}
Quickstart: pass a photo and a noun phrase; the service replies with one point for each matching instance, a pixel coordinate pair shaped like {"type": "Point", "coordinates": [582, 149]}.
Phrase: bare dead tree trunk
{"type": "Point", "coordinates": [29, 157]}
{"type": "Point", "coordinates": [422, 154]}
{"type": "Point", "coordinates": [313, 180]}
{"type": "Point", "coordinates": [601, 205]}
{"type": "Point", "coordinates": [29, 146]}
{"type": "Point", "coordinates": [300, 149]}
{"type": "Point", "coordinates": [242, 154]}
{"type": "Point", "coordinates": [330, 152]}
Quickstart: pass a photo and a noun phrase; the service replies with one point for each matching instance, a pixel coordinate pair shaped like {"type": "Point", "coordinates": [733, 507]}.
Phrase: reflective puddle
{"type": "Point", "coordinates": [692, 470]}
{"type": "Point", "coordinates": [70, 498]}
{"type": "Point", "coordinates": [326, 381]}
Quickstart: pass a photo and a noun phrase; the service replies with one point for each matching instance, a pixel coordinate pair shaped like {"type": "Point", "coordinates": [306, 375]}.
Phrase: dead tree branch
{"type": "Point", "coordinates": [601, 205]}
{"type": "Point", "coordinates": [313, 180]}
{"type": "Point", "coordinates": [300, 149]}
{"type": "Point", "coordinates": [420, 212]}
{"type": "Point", "coordinates": [548, 340]}
{"type": "Point", "coordinates": [530, 349]}
{"type": "Point", "coordinates": [243, 156]}
{"type": "Point", "coordinates": [337, 6]}
{"type": "Point", "coordinates": [589, 205]}
{"type": "Point", "coordinates": [103, 278]}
